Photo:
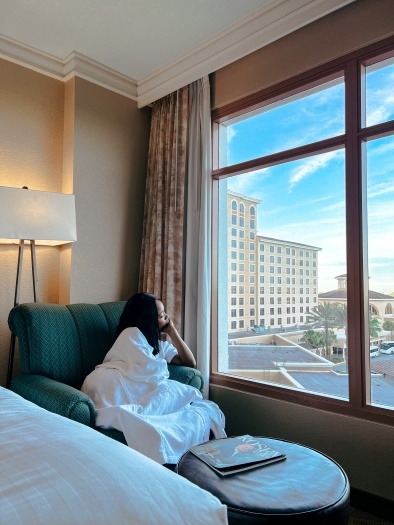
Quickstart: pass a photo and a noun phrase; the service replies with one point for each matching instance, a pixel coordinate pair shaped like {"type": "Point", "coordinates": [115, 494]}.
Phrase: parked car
{"type": "Point", "coordinates": [387, 347]}
{"type": "Point", "coordinates": [373, 351]}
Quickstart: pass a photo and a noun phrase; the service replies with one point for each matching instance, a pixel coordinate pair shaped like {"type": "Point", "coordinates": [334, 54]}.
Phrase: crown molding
{"type": "Point", "coordinates": [75, 64]}
{"type": "Point", "coordinates": [273, 21]}
{"type": "Point", "coordinates": [83, 67]}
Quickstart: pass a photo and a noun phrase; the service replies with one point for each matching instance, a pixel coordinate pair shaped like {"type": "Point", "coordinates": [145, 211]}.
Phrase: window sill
{"type": "Point", "coordinates": [312, 400]}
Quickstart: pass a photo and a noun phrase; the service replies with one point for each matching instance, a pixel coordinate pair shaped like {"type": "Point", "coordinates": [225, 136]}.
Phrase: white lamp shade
{"type": "Point", "coordinates": [45, 217]}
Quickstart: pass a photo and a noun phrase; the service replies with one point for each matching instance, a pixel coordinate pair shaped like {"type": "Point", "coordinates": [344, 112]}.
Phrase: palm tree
{"type": "Point", "coordinates": [326, 315]}
{"type": "Point", "coordinates": [313, 338]}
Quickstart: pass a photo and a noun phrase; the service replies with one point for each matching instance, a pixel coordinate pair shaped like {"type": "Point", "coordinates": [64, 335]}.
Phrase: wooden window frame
{"type": "Point", "coordinates": [353, 138]}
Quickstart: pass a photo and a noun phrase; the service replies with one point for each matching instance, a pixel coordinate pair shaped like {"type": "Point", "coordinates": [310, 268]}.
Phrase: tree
{"type": "Point", "coordinates": [388, 326]}
{"type": "Point", "coordinates": [326, 315]}
{"type": "Point", "coordinates": [374, 326]}
{"type": "Point", "coordinates": [313, 338]}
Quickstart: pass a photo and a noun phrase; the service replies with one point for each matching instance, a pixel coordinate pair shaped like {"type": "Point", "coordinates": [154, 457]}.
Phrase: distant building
{"type": "Point", "coordinates": [272, 282]}
{"type": "Point", "coordinates": [380, 304]}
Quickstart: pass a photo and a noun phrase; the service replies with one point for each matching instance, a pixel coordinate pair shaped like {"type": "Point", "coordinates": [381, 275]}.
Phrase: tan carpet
{"type": "Point", "coordinates": [358, 517]}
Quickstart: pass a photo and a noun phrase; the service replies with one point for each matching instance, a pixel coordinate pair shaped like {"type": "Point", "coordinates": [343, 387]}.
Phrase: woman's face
{"type": "Point", "coordinates": [161, 315]}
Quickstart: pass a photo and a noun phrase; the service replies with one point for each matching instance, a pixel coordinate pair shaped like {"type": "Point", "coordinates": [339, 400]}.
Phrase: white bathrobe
{"type": "Point", "coordinates": [159, 417]}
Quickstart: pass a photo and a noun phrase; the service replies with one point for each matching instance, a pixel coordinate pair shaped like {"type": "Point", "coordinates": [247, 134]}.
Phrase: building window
{"type": "Point", "coordinates": [325, 160]}
{"type": "Point", "coordinates": [233, 325]}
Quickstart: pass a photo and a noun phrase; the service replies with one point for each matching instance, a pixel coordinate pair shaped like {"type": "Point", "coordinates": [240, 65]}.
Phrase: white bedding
{"type": "Point", "coordinates": [56, 471]}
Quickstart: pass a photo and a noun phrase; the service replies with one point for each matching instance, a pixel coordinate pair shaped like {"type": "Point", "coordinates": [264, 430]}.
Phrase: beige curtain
{"type": "Point", "coordinates": [161, 266]}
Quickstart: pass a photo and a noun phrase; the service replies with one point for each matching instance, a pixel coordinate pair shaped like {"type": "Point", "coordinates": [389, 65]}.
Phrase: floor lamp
{"type": "Point", "coordinates": [29, 217]}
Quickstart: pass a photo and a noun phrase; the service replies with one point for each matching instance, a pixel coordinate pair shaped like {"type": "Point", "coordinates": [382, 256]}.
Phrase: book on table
{"type": "Point", "coordinates": [231, 455]}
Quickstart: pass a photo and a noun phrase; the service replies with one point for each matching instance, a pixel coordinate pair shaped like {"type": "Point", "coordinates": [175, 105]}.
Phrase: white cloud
{"type": "Point", "coordinates": [310, 166]}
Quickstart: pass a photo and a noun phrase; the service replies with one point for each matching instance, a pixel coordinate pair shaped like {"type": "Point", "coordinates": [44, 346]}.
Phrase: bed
{"type": "Point", "coordinates": [54, 470]}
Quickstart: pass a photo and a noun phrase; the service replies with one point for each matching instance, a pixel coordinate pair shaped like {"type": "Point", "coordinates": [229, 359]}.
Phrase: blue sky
{"type": "Point", "coordinates": [304, 201]}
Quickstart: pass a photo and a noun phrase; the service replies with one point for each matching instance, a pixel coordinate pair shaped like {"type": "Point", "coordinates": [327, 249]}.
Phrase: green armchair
{"type": "Point", "coordinates": [59, 346]}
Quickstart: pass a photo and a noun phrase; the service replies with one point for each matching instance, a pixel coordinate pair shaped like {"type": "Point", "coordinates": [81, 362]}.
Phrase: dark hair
{"type": "Point", "coordinates": [141, 311]}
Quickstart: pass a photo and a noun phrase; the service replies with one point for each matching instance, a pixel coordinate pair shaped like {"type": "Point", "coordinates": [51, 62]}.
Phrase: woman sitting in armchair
{"type": "Point", "coordinates": [132, 392]}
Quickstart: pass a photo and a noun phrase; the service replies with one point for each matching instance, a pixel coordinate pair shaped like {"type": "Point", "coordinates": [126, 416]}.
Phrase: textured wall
{"type": "Point", "coordinates": [110, 154]}
{"type": "Point", "coordinates": [77, 138]}
{"type": "Point", "coordinates": [31, 154]}
{"type": "Point", "coordinates": [350, 28]}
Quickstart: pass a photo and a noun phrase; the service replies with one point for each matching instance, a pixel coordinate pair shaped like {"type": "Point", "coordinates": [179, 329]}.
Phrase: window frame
{"type": "Point", "coordinates": [352, 140]}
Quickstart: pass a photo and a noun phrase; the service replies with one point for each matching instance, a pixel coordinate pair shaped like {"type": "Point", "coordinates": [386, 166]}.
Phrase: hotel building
{"type": "Point", "coordinates": [272, 282]}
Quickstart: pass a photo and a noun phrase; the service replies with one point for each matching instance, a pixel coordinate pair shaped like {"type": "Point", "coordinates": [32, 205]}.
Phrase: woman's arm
{"type": "Point", "coordinates": [184, 356]}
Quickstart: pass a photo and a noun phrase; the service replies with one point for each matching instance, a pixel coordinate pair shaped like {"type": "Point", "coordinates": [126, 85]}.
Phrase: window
{"type": "Point", "coordinates": [336, 171]}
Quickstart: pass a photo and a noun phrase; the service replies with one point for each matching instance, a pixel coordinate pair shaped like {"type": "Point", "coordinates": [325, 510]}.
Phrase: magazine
{"type": "Point", "coordinates": [231, 455]}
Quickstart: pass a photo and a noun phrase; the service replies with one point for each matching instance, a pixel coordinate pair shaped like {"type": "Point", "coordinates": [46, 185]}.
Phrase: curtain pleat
{"type": "Point", "coordinates": [162, 245]}
{"type": "Point", "coordinates": [176, 245]}
{"type": "Point", "coordinates": [197, 278]}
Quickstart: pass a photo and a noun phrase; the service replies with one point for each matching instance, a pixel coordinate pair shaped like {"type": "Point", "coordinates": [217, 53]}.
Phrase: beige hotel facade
{"type": "Point", "coordinates": [272, 283]}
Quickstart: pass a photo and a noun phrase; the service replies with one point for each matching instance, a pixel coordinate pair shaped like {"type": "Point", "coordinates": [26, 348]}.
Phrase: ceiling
{"type": "Point", "coordinates": [145, 48]}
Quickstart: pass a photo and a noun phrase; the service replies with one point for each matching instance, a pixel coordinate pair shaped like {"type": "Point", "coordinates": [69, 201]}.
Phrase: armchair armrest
{"type": "Point", "coordinates": [56, 397]}
{"type": "Point", "coordinates": [187, 375]}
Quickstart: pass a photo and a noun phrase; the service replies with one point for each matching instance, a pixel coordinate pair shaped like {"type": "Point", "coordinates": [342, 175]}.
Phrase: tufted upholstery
{"type": "Point", "coordinates": [60, 345]}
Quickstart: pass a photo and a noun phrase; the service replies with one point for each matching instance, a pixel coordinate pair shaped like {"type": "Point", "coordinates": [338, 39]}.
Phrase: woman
{"type": "Point", "coordinates": [132, 392]}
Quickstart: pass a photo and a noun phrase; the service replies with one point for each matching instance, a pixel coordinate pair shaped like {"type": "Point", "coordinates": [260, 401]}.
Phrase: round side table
{"type": "Point", "coordinates": [306, 488]}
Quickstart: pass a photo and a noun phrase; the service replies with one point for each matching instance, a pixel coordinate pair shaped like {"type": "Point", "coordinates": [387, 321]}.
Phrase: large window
{"type": "Point", "coordinates": [312, 163]}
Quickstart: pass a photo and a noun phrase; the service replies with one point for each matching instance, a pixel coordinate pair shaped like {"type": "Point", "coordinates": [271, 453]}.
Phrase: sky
{"type": "Point", "coordinates": [304, 201]}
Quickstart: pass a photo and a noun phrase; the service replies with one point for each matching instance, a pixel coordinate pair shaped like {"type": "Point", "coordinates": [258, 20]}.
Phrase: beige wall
{"type": "Point", "coordinates": [110, 155]}
{"type": "Point", "coordinates": [31, 154]}
{"type": "Point", "coordinates": [77, 138]}
{"type": "Point", "coordinates": [363, 448]}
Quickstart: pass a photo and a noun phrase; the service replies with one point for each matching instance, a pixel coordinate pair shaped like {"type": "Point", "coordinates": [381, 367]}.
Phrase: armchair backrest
{"type": "Point", "coordinates": [64, 343]}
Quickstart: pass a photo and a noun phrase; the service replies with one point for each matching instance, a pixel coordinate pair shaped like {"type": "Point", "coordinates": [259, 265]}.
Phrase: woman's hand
{"type": "Point", "coordinates": [184, 356]}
